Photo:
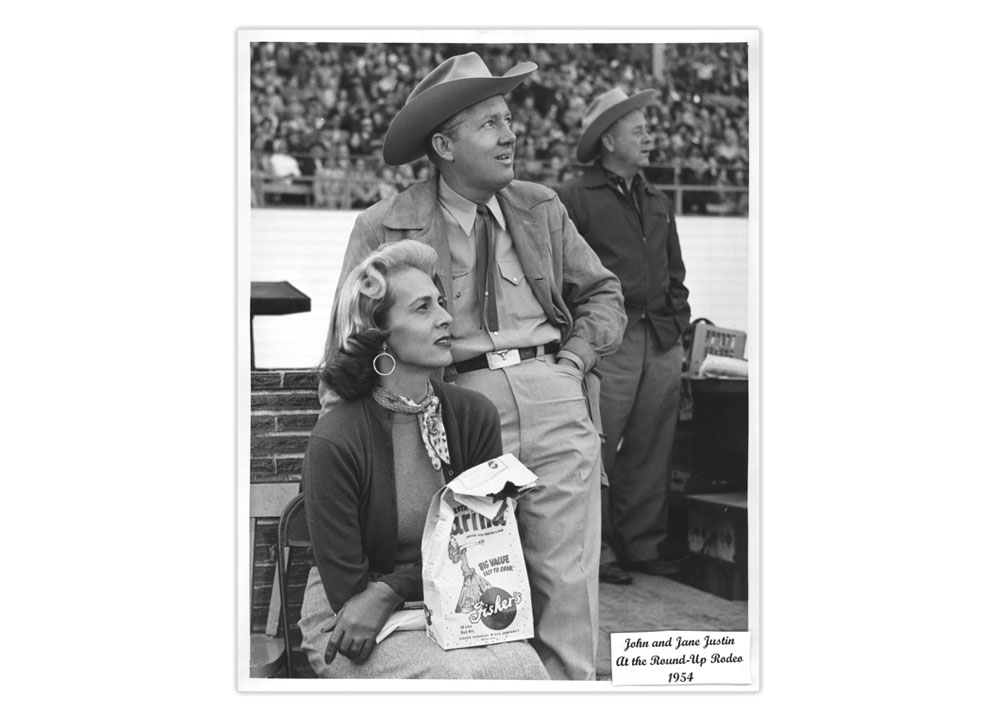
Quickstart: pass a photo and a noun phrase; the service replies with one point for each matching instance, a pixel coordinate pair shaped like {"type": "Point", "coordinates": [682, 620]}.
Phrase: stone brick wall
{"type": "Point", "coordinates": [284, 408]}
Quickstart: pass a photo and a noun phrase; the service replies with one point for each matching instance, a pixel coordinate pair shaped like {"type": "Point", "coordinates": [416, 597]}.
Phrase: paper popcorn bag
{"type": "Point", "coordinates": [475, 581]}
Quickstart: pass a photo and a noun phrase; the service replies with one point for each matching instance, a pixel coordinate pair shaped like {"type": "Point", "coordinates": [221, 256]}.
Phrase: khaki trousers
{"type": "Point", "coordinates": [546, 425]}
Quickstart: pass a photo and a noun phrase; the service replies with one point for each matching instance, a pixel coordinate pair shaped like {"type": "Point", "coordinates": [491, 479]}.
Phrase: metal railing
{"type": "Point", "coordinates": [358, 193]}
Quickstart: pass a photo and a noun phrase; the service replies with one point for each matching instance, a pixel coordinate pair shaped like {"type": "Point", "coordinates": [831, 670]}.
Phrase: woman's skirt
{"type": "Point", "coordinates": [411, 653]}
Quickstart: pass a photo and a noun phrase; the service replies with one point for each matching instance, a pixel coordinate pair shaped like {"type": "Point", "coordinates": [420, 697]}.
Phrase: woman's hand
{"type": "Point", "coordinates": [359, 621]}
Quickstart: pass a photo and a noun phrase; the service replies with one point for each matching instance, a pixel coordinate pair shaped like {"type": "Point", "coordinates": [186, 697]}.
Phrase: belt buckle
{"type": "Point", "coordinates": [503, 358]}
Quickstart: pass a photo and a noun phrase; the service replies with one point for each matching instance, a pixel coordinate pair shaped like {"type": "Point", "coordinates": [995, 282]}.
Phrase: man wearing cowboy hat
{"type": "Point", "coordinates": [631, 226]}
{"type": "Point", "coordinates": [534, 310]}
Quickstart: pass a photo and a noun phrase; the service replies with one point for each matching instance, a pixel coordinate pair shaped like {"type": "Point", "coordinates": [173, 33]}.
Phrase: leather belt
{"type": "Point", "coordinates": [504, 358]}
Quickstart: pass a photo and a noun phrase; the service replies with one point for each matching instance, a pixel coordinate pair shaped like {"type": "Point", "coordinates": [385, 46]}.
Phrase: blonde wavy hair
{"type": "Point", "coordinates": [357, 329]}
{"type": "Point", "coordinates": [366, 297]}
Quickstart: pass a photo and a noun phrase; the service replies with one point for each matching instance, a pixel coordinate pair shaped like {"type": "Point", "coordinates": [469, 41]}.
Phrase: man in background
{"type": "Point", "coordinates": [631, 226]}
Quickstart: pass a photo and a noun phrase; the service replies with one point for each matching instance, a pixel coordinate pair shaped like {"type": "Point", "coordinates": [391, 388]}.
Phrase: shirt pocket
{"type": "Point", "coordinates": [511, 272]}
{"type": "Point", "coordinates": [462, 285]}
{"type": "Point", "coordinates": [464, 304]}
{"type": "Point", "coordinates": [518, 299]}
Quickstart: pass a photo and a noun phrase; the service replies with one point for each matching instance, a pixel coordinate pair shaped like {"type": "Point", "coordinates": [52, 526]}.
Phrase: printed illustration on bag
{"type": "Point", "coordinates": [475, 581]}
{"type": "Point", "coordinates": [473, 584]}
{"type": "Point", "coordinates": [493, 606]}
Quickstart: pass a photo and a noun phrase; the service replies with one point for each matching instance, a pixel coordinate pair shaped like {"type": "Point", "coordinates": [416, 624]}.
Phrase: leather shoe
{"type": "Point", "coordinates": [659, 567]}
{"type": "Point", "coordinates": [612, 573]}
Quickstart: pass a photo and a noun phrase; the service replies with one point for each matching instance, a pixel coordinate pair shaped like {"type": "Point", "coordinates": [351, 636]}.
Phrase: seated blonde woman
{"type": "Point", "coordinates": [373, 463]}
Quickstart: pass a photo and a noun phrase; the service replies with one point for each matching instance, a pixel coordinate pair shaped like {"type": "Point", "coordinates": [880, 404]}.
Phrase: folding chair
{"type": "Point", "coordinates": [267, 501]}
{"type": "Point", "coordinates": [293, 532]}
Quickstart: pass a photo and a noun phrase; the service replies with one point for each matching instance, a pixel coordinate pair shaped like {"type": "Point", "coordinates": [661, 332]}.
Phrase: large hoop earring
{"type": "Point", "coordinates": [375, 364]}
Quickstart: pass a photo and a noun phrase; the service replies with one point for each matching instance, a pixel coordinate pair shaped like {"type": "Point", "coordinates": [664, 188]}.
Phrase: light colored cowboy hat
{"type": "Point", "coordinates": [457, 83]}
{"type": "Point", "coordinates": [607, 108]}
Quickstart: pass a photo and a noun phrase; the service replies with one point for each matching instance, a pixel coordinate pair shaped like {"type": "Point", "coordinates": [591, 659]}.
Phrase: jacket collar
{"type": "Point", "coordinates": [529, 233]}
{"type": "Point", "coordinates": [594, 176]}
{"type": "Point", "coordinates": [417, 210]}
{"type": "Point", "coordinates": [412, 210]}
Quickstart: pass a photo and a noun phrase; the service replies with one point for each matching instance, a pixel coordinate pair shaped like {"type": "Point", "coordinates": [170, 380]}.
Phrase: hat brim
{"type": "Point", "coordinates": [408, 131]}
{"type": "Point", "coordinates": [586, 148]}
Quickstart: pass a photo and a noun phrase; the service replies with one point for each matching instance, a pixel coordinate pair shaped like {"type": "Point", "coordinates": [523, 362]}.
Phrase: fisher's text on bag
{"type": "Point", "coordinates": [475, 581]}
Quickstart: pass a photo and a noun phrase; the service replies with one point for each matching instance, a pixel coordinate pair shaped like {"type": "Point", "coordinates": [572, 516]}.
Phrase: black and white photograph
{"type": "Point", "coordinates": [525, 360]}
{"type": "Point", "coordinates": [510, 261]}
{"type": "Point", "coordinates": [340, 344]}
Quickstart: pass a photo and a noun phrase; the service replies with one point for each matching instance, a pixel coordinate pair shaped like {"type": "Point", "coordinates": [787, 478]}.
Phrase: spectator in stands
{"type": "Point", "coordinates": [367, 133]}
{"type": "Point", "coordinates": [713, 175]}
{"type": "Point", "coordinates": [386, 187]}
{"type": "Point", "coordinates": [527, 158]}
{"type": "Point", "coordinates": [362, 140]}
{"type": "Point", "coordinates": [296, 142]}
{"type": "Point", "coordinates": [742, 200]}
{"type": "Point", "coordinates": [313, 164]}
{"type": "Point", "coordinates": [359, 87]}
{"type": "Point", "coordinates": [363, 184]}
{"type": "Point", "coordinates": [324, 180]}
{"type": "Point", "coordinates": [374, 462]}
{"type": "Point", "coordinates": [555, 169]}
{"type": "Point", "coordinates": [260, 170]}
{"type": "Point", "coordinates": [282, 165]}
{"type": "Point", "coordinates": [267, 128]}
{"type": "Point", "coordinates": [729, 151]}
{"type": "Point", "coordinates": [338, 190]}
{"type": "Point", "coordinates": [695, 173]}
{"type": "Point", "coordinates": [736, 202]}
{"type": "Point", "coordinates": [660, 170]}
{"type": "Point", "coordinates": [258, 175]}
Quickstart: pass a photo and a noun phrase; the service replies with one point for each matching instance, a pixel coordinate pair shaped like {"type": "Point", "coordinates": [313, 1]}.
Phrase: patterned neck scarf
{"type": "Point", "coordinates": [429, 420]}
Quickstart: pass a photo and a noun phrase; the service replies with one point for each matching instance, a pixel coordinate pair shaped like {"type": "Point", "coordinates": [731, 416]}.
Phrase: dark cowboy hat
{"type": "Point", "coordinates": [457, 83]}
{"type": "Point", "coordinates": [607, 108]}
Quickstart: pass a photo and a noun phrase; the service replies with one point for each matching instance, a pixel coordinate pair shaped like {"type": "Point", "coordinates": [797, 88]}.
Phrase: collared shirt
{"type": "Point", "coordinates": [522, 319]}
{"type": "Point", "coordinates": [631, 191]}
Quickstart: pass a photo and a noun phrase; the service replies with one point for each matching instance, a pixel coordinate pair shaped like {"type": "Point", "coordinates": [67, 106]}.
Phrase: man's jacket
{"type": "Point", "coordinates": [578, 294]}
{"type": "Point", "coordinates": [643, 250]}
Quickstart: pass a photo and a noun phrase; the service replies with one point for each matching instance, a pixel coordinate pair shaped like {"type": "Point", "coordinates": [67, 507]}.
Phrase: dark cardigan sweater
{"type": "Point", "coordinates": [348, 476]}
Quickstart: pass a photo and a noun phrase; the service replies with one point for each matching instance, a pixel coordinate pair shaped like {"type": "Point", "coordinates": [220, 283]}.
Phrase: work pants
{"type": "Point", "coordinates": [640, 402]}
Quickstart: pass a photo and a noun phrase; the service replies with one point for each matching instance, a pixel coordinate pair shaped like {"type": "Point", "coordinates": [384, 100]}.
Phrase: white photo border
{"type": "Point", "coordinates": [245, 37]}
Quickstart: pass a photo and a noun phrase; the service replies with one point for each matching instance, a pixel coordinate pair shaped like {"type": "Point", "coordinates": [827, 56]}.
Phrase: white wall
{"type": "Point", "coordinates": [305, 248]}
{"type": "Point", "coordinates": [716, 253]}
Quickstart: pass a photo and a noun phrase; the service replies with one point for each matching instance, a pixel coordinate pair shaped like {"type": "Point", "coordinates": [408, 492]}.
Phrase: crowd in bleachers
{"type": "Point", "coordinates": [319, 112]}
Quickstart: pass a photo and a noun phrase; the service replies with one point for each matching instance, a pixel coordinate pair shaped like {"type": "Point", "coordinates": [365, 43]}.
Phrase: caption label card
{"type": "Point", "coordinates": [680, 657]}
